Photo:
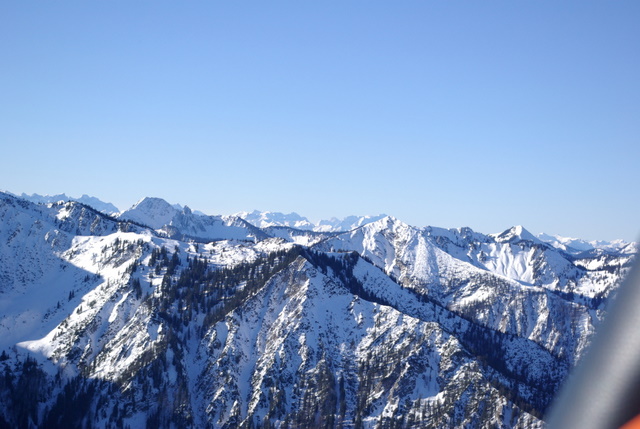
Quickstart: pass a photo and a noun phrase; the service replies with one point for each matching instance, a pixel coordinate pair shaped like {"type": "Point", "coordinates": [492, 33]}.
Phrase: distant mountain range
{"type": "Point", "coordinates": [160, 317]}
{"type": "Point", "coordinates": [294, 220]}
{"type": "Point", "coordinates": [143, 211]}
{"type": "Point", "coordinates": [94, 202]}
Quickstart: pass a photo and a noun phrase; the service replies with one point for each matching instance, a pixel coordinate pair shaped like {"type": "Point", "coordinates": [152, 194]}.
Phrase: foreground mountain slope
{"type": "Point", "coordinates": [221, 365]}
{"type": "Point", "coordinates": [35, 282]}
{"type": "Point", "coordinates": [327, 357]}
{"type": "Point", "coordinates": [386, 325]}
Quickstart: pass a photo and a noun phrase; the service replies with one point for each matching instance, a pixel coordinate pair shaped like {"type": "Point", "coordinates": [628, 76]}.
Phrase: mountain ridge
{"type": "Point", "coordinates": [384, 325]}
{"type": "Point", "coordinates": [94, 202]}
{"type": "Point", "coordinates": [266, 219]}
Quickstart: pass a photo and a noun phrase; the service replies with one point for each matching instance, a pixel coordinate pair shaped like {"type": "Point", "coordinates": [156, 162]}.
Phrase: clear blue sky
{"type": "Point", "coordinates": [446, 113]}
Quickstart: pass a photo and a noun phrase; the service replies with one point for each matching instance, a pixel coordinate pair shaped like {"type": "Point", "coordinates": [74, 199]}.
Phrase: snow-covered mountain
{"type": "Point", "coordinates": [94, 202]}
{"type": "Point", "coordinates": [268, 219]}
{"type": "Point", "coordinates": [346, 224]}
{"type": "Point", "coordinates": [162, 318]}
{"type": "Point", "coordinates": [577, 245]}
{"type": "Point", "coordinates": [294, 220]}
{"type": "Point", "coordinates": [184, 224]}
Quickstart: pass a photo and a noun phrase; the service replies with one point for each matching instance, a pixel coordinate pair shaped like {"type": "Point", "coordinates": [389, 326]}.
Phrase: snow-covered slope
{"type": "Point", "coordinates": [35, 281]}
{"type": "Point", "coordinates": [307, 339]}
{"type": "Point", "coordinates": [162, 318]}
{"type": "Point", "coordinates": [510, 282]}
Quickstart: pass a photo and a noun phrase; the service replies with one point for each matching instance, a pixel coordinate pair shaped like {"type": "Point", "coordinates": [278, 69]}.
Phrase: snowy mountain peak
{"type": "Point", "coordinates": [389, 221]}
{"type": "Point", "coordinates": [147, 203]}
{"type": "Point", "coordinates": [388, 225]}
{"type": "Point", "coordinates": [151, 211]}
{"type": "Point", "coordinates": [515, 234]}
{"type": "Point", "coordinates": [182, 223]}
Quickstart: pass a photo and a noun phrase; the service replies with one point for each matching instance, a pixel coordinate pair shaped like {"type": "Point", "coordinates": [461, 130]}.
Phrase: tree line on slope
{"type": "Point", "coordinates": [192, 286]}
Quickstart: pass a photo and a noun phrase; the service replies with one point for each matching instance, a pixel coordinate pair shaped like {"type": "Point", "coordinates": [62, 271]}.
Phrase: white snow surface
{"type": "Point", "coordinates": [66, 297]}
